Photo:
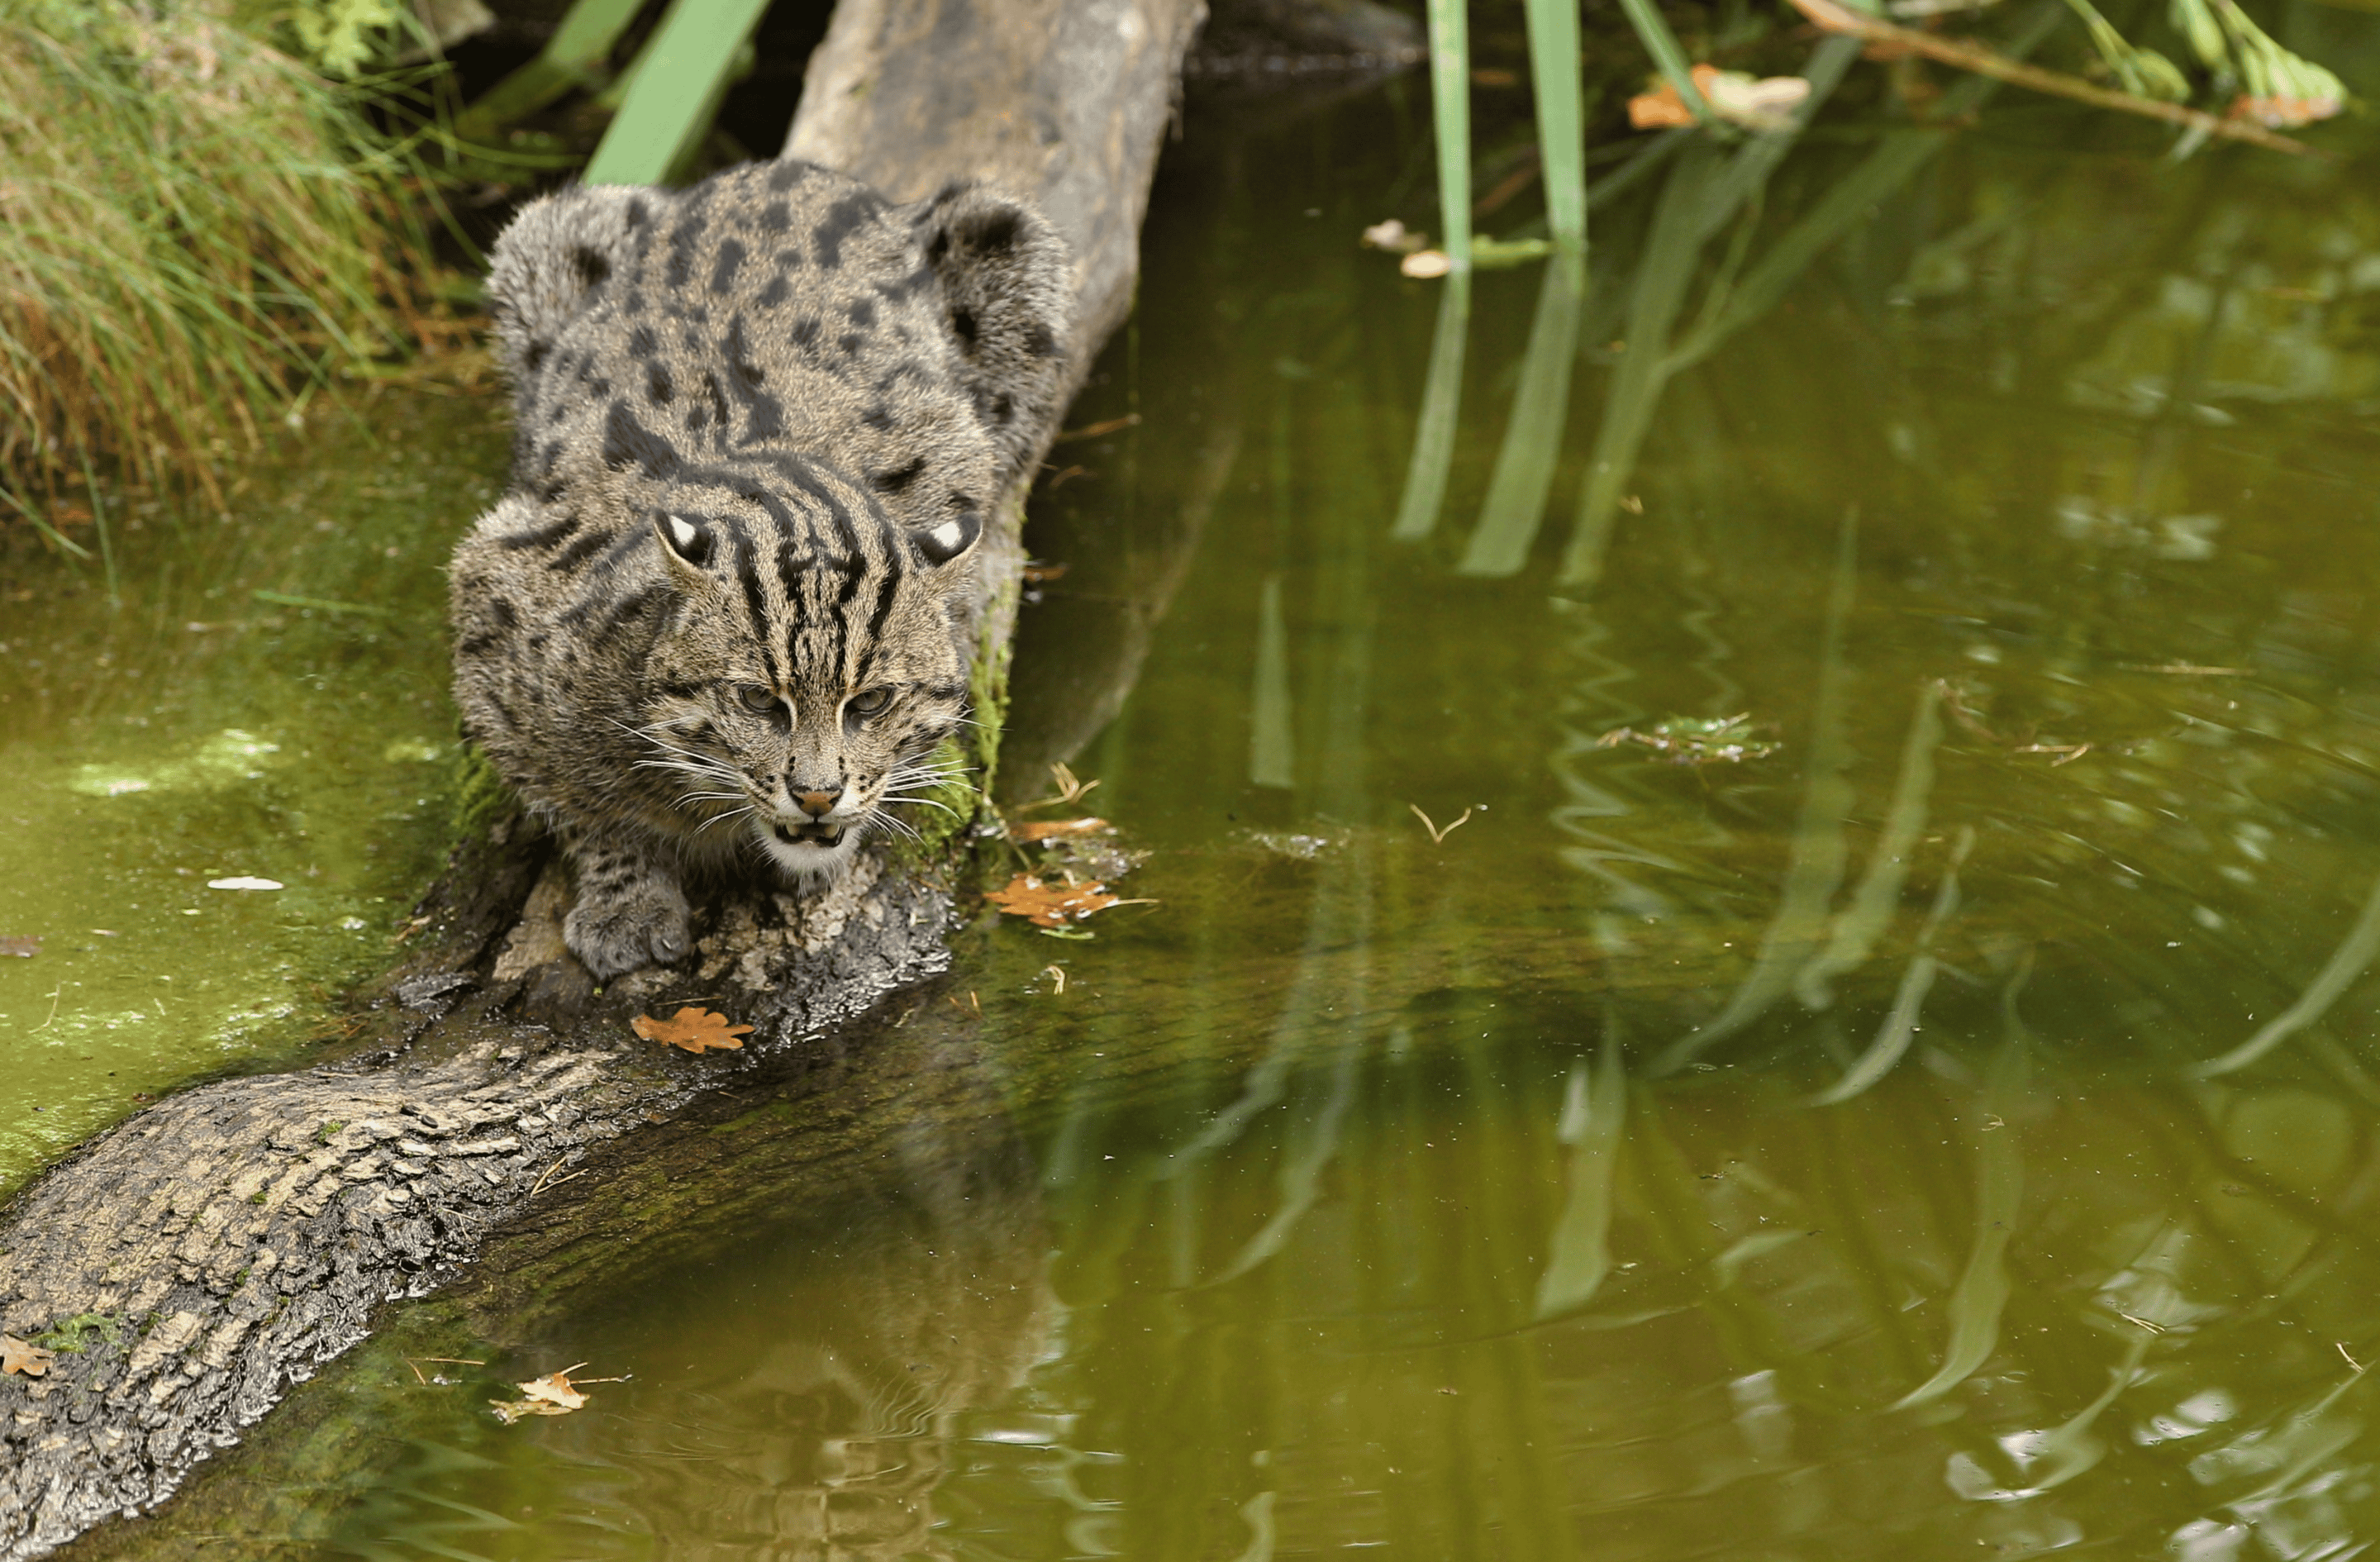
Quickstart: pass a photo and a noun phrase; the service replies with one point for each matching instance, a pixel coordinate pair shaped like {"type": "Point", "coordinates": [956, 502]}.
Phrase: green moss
{"type": "Point", "coordinates": [72, 1335]}
{"type": "Point", "coordinates": [323, 1135]}
{"type": "Point", "coordinates": [483, 800]}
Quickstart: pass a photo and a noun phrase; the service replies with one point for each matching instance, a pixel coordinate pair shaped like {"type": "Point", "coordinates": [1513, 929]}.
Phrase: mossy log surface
{"type": "Point", "coordinates": [200, 1259]}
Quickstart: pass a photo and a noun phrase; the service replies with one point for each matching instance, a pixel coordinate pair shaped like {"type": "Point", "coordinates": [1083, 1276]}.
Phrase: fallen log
{"type": "Point", "coordinates": [189, 1266]}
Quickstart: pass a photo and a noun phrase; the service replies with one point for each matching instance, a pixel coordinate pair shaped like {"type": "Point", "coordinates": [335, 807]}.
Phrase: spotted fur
{"type": "Point", "coordinates": [719, 616]}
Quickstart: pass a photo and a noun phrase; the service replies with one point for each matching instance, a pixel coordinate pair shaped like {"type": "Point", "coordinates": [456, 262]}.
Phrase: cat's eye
{"type": "Point", "coordinates": [868, 702]}
{"type": "Point", "coordinates": [757, 697]}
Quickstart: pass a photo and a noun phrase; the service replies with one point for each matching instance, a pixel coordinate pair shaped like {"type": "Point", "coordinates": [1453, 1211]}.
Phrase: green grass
{"type": "Point", "coordinates": [193, 228]}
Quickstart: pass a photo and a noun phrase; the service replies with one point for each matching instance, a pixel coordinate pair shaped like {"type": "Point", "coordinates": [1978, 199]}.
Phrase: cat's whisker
{"type": "Point", "coordinates": [921, 803]}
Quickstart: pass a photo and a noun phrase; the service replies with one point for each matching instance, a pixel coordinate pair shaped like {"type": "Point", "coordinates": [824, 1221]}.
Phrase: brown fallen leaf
{"type": "Point", "coordinates": [555, 1388]}
{"type": "Point", "coordinates": [557, 1394]}
{"type": "Point", "coordinates": [1052, 903]}
{"type": "Point", "coordinates": [1053, 829]}
{"type": "Point", "coordinates": [24, 945]}
{"type": "Point", "coordinates": [21, 1355]}
{"type": "Point", "coordinates": [692, 1029]}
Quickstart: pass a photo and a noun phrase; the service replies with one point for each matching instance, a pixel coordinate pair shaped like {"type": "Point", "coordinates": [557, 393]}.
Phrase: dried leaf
{"type": "Point", "coordinates": [511, 1410]}
{"type": "Point", "coordinates": [1051, 905]}
{"type": "Point", "coordinates": [19, 1356]}
{"type": "Point", "coordinates": [554, 1388]}
{"type": "Point", "coordinates": [1424, 265]}
{"type": "Point", "coordinates": [1054, 829]}
{"type": "Point", "coordinates": [24, 945]}
{"type": "Point", "coordinates": [693, 1028]}
{"type": "Point", "coordinates": [1766, 103]}
{"type": "Point", "coordinates": [1395, 237]}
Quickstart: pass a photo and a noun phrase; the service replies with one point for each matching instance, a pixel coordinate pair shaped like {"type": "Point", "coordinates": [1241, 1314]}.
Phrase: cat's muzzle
{"type": "Point", "coordinates": [813, 833]}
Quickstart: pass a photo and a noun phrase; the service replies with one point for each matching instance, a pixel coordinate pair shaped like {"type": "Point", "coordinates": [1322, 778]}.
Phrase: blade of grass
{"type": "Point", "coordinates": [1653, 31]}
{"type": "Point", "coordinates": [2346, 963]}
{"type": "Point", "coordinates": [1561, 126]}
{"type": "Point", "coordinates": [1982, 1287]}
{"type": "Point", "coordinates": [1702, 195]}
{"type": "Point", "coordinates": [1878, 895]}
{"type": "Point", "coordinates": [1900, 1026]}
{"type": "Point", "coordinates": [1815, 869]}
{"type": "Point", "coordinates": [1450, 100]}
{"type": "Point", "coordinates": [1441, 404]}
{"type": "Point", "coordinates": [1594, 1110]}
{"type": "Point", "coordinates": [1523, 476]}
{"type": "Point", "coordinates": [680, 75]}
{"type": "Point", "coordinates": [573, 57]}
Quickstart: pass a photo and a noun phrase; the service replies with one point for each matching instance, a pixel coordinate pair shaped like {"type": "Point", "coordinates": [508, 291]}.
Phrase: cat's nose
{"type": "Point", "coordinates": [817, 804]}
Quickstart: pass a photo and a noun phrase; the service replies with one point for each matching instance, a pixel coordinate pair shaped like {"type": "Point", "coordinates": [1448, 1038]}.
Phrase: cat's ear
{"type": "Point", "coordinates": [1006, 282]}
{"type": "Point", "coordinates": [951, 541]}
{"type": "Point", "coordinates": [556, 256]}
{"type": "Point", "coordinates": [686, 541]}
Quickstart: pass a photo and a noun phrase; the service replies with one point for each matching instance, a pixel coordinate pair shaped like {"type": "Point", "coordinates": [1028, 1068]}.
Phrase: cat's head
{"type": "Point", "coordinates": [809, 668]}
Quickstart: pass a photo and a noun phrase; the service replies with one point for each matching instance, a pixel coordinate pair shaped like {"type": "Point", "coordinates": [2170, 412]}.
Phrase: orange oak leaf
{"type": "Point", "coordinates": [17, 1356]}
{"type": "Point", "coordinates": [1054, 829]}
{"type": "Point", "coordinates": [1050, 904]}
{"type": "Point", "coordinates": [693, 1028]}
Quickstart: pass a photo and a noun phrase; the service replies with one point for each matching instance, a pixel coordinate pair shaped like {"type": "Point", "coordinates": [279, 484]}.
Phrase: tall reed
{"type": "Point", "coordinates": [192, 226]}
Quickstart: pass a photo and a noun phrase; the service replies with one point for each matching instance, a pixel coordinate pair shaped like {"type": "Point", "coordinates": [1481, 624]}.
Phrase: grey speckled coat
{"type": "Point", "coordinates": [715, 619]}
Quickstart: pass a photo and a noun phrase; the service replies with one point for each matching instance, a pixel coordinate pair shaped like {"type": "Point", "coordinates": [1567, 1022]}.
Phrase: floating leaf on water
{"type": "Point", "coordinates": [24, 945]}
{"type": "Point", "coordinates": [1424, 265]}
{"type": "Point", "coordinates": [244, 882]}
{"type": "Point", "coordinates": [1053, 904]}
{"type": "Point", "coordinates": [1395, 237]}
{"type": "Point", "coordinates": [555, 1388]}
{"type": "Point", "coordinates": [1054, 829]}
{"type": "Point", "coordinates": [692, 1029]}
{"type": "Point", "coordinates": [20, 1356]}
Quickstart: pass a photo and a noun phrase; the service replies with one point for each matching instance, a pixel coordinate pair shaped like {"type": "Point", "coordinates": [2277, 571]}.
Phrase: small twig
{"type": "Point", "coordinates": [53, 1005]}
{"type": "Point", "coordinates": [1056, 974]}
{"type": "Point", "coordinates": [1833, 17]}
{"type": "Point", "coordinates": [1436, 835]}
{"type": "Point", "coordinates": [1070, 790]}
{"type": "Point", "coordinates": [1093, 431]}
{"type": "Point", "coordinates": [414, 1361]}
{"type": "Point", "coordinates": [550, 1180]}
{"type": "Point", "coordinates": [2350, 1360]}
{"type": "Point", "coordinates": [2066, 753]}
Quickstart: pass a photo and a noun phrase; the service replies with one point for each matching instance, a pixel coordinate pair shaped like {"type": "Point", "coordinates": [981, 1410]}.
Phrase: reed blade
{"type": "Point", "coordinates": [1524, 477]}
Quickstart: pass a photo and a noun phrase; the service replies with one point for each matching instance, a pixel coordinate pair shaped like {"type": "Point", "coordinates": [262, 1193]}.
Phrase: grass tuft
{"type": "Point", "coordinates": [194, 227]}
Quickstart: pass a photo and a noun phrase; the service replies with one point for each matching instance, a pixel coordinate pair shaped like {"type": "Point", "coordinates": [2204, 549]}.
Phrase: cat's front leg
{"type": "Point", "coordinates": [630, 911]}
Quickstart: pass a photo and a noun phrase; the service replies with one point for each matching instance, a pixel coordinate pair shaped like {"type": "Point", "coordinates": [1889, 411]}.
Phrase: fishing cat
{"type": "Point", "coordinates": [724, 610]}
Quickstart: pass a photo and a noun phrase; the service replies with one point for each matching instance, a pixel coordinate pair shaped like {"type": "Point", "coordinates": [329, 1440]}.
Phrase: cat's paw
{"type": "Point", "coordinates": [640, 925]}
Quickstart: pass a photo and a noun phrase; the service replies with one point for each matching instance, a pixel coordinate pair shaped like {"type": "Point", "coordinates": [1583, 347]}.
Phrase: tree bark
{"type": "Point", "coordinates": [191, 1264]}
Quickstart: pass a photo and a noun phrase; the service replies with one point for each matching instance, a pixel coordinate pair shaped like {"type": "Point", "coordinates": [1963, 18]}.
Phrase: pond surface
{"type": "Point", "coordinates": [1868, 1054]}
{"type": "Point", "coordinates": [264, 699]}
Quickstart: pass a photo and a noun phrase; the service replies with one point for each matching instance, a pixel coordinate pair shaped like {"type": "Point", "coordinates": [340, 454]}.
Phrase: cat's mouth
{"type": "Point", "coordinates": [820, 835]}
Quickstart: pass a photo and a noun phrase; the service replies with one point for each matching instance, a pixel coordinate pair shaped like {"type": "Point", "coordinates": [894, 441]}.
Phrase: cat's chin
{"type": "Point", "coordinates": [805, 853]}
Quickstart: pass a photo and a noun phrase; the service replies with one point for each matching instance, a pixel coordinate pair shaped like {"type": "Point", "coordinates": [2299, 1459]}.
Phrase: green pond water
{"type": "Point", "coordinates": [1939, 1123]}
{"type": "Point", "coordinates": [265, 701]}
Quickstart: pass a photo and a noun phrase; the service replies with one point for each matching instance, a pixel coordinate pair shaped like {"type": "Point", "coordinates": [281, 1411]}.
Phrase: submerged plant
{"type": "Point", "coordinates": [193, 227]}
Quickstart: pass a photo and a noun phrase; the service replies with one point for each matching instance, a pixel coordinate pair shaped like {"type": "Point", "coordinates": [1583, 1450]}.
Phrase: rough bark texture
{"type": "Point", "coordinates": [194, 1262]}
